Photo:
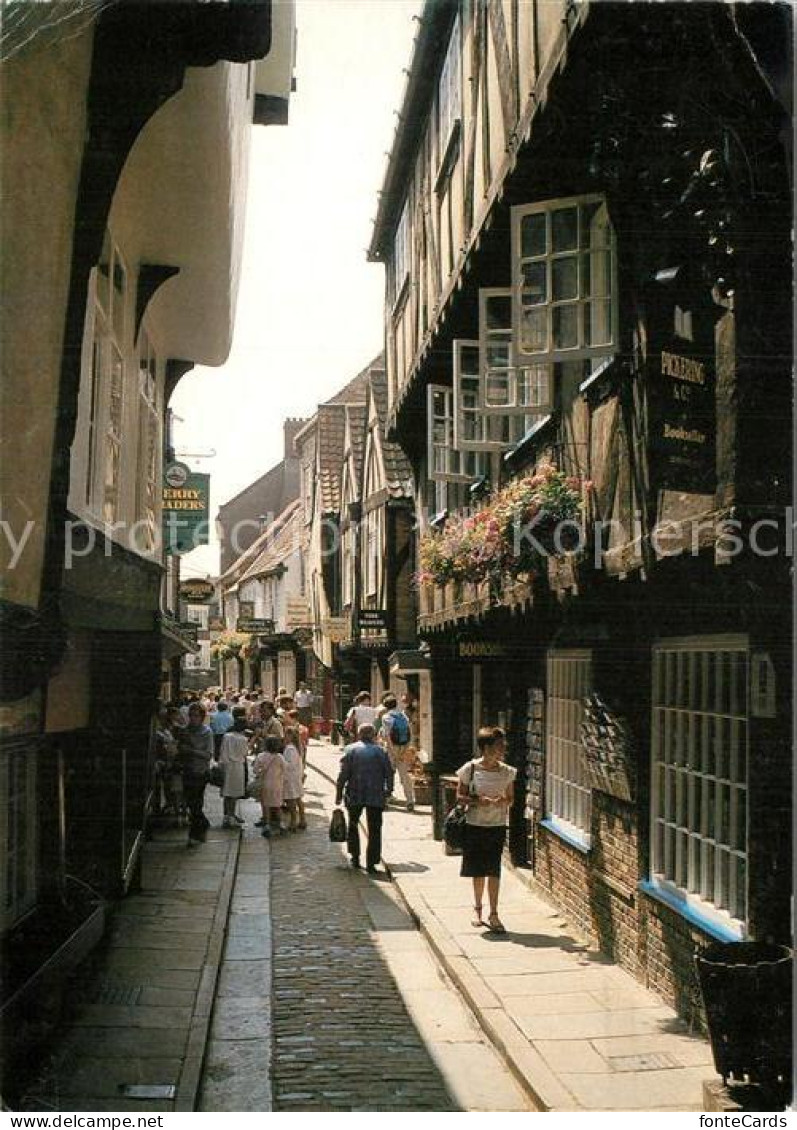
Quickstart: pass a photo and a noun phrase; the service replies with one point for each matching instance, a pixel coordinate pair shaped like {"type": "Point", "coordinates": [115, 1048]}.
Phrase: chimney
{"type": "Point", "coordinates": [290, 429]}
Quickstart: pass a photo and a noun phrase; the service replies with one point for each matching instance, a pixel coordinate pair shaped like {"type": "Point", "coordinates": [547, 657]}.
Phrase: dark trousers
{"type": "Point", "coordinates": [373, 819]}
{"type": "Point", "coordinates": [194, 795]}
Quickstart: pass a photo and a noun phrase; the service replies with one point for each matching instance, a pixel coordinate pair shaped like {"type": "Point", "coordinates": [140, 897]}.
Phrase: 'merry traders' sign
{"type": "Point", "coordinates": [186, 508]}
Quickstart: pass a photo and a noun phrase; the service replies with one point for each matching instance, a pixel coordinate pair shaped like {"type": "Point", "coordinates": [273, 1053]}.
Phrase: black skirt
{"type": "Point", "coordinates": [482, 851]}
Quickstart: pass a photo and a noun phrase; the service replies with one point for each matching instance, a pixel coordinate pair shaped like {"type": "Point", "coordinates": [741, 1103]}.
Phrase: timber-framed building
{"type": "Point", "coordinates": [585, 227]}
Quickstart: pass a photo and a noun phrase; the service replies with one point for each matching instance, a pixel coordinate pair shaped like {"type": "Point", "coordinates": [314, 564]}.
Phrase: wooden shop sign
{"type": "Point", "coordinates": [373, 619]}
{"type": "Point", "coordinates": [481, 650]}
{"type": "Point", "coordinates": [195, 591]}
{"type": "Point", "coordinates": [683, 420]}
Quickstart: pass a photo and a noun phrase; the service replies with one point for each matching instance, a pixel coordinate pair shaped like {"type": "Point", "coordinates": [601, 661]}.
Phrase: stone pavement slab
{"type": "Point", "coordinates": [237, 1067]}
{"type": "Point", "coordinates": [577, 1030]}
{"type": "Point", "coordinates": [142, 1010]}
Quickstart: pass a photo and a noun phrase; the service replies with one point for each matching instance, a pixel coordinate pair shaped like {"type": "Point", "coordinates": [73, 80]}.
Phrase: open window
{"type": "Point", "coordinates": [564, 286]}
{"type": "Point", "coordinates": [475, 429]}
{"type": "Point", "coordinates": [506, 386]}
{"type": "Point", "coordinates": [446, 462]}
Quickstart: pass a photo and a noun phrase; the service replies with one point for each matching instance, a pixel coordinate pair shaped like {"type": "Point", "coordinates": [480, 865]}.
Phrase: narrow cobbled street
{"type": "Point", "coordinates": [342, 1036]}
{"type": "Point", "coordinates": [361, 1016]}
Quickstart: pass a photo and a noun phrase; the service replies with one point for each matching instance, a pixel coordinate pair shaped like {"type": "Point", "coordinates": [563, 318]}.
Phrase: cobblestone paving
{"type": "Point", "coordinates": [343, 1039]}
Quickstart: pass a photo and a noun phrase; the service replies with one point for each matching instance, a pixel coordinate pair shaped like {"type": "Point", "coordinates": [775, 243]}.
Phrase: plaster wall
{"type": "Point", "coordinates": [42, 131]}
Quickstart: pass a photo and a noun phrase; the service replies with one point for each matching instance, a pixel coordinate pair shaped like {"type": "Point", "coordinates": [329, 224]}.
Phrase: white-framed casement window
{"type": "Point", "coordinates": [449, 95]}
{"type": "Point", "coordinates": [568, 797]}
{"type": "Point", "coordinates": [149, 443]}
{"type": "Point", "coordinates": [445, 461]}
{"type": "Point", "coordinates": [564, 286]}
{"type": "Point", "coordinates": [475, 428]}
{"type": "Point", "coordinates": [507, 386]}
{"type": "Point", "coordinates": [699, 811]}
{"type": "Point", "coordinates": [401, 252]}
{"type": "Point", "coordinates": [18, 827]}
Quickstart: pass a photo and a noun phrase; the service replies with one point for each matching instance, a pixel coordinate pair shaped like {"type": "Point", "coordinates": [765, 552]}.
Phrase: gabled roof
{"type": "Point", "coordinates": [248, 558]}
{"type": "Point", "coordinates": [398, 472]}
{"type": "Point", "coordinates": [356, 419]}
{"type": "Point", "coordinates": [282, 538]}
{"type": "Point", "coordinates": [354, 392]}
{"type": "Point", "coordinates": [331, 432]}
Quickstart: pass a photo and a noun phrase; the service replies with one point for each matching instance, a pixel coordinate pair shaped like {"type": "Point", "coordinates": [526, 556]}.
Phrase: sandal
{"type": "Point", "coordinates": [495, 925]}
{"type": "Point", "coordinates": [478, 920]}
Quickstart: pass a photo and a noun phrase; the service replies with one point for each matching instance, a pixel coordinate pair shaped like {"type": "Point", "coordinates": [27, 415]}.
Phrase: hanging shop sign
{"type": "Point", "coordinates": [336, 628]}
{"type": "Point", "coordinates": [196, 591]}
{"type": "Point", "coordinates": [186, 508]}
{"type": "Point", "coordinates": [254, 626]}
{"type": "Point", "coordinates": [373, 619]}
{"type": "Point", "coordinates": [684, 419]}
{"type": "Point", "coordinates": [484, 650]}
{"type": "Point", "coordinates": [297, 614]}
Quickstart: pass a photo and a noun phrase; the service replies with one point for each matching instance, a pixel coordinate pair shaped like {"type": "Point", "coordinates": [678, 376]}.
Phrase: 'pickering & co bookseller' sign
{"type": "Point", "coordinates": [684, 420]}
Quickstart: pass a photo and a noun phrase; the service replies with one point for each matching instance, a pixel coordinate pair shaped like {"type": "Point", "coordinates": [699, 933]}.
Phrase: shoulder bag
{"type": "Point", "coordinates": [455, 822]}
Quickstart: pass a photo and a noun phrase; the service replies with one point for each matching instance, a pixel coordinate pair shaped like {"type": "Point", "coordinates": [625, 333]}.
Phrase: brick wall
{"type": "Point", "coordinates": [667, 944]}
{"type": "Point", "coordinates": [597, 892]}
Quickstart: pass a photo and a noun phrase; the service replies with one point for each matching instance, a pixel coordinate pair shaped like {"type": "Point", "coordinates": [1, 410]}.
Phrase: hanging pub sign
{"type": "Point", "coordinates": [683, 417]}
{"type": "Point", "coordinates": [196, 591]}
{"type": "Point", "coordinates": [373, 619]}
{"type": "Point", "coordinates": [186, 508]}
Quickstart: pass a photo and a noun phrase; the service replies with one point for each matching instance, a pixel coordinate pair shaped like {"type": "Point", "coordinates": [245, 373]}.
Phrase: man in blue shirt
{"type": "Point", "coordinates": [220, 722]}
{"type": "Point", "coordinates": [365, 780]}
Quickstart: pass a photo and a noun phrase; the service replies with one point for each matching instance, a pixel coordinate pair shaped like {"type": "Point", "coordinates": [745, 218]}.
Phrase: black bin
{"type": "Point", "coordinates": [747, 993]}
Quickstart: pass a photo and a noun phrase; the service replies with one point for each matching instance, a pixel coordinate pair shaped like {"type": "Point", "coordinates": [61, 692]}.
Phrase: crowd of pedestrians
{"type": "Point", "coordinates": [251, 746]}
{"type": "Point", "coordinates": [248, 746]}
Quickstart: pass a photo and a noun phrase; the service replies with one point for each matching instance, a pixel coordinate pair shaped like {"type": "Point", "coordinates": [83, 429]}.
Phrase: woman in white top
{"type": "Point", "coordinates": [361, 714]}
{"type": "Point", "coordinates": [292, 784]}
{"type": "Point", "coordinates": [232, 757]}
{"type": "Point", "coordinates": [486, 786]}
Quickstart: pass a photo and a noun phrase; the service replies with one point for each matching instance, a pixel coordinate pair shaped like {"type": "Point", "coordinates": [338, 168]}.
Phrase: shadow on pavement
{"type": "Point", "coordinates": [343, 1037]}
